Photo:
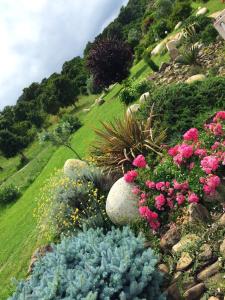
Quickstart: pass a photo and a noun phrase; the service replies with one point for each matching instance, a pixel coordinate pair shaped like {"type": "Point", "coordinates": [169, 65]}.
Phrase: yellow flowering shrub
{"type": "Point", "coordinates": [66, 205]}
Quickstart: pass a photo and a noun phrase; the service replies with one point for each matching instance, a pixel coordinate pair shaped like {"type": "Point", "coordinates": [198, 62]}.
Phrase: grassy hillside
{"type": "Point", "coordinates": [18, 234]}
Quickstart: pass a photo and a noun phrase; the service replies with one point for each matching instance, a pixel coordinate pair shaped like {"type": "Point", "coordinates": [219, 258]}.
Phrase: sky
{"type": "Point", "coordinates": [38, 36]}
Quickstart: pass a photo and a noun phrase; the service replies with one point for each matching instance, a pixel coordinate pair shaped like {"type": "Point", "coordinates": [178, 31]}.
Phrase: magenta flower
{"type": "Point", "coordinates": [173, 151]}
{"type": "Point", "coordinates": [136, 190]}
{"type": "Point", "coordinates": [191, 135]}
{"type": "Point", "coordinates": [140, 161]}
{"type": "Point", "coordinates": [160, 201]}
{"type": "Point", "coordinates": [209, 164]}
{"type": "Point", "coordinates": [150, 184]}
{"type": "Point", "coordinates": [186, 150]}
{"type": "Point", "coordinates": [200, 152]}
{"type": "Point", "coordinates": [130, 176]}
{"type": "Point", "coordinates": [180, 198]}
{"type": "Point", "coordinates": [219, 116]}
{"type": "Point", "coordinates": [193, 198]}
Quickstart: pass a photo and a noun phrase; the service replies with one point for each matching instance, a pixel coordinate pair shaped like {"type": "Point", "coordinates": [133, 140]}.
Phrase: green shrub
{"type": "Point", "coordinates": [66, 204]}
{"type": "Point", "coordinates": [73, 122]}
{"type": "Point", "coordinates": [95, 266]}
{"type": "Point", "coordinates": [181, 11]}
{"type": "Point", "coordinates": [209, 35]}
{"type": "Point", "coordinates": [179, 105]}
{"type": "Point", "coordinates": [9, 194]}
{"type": "Point", "coordinates": [133, 90]}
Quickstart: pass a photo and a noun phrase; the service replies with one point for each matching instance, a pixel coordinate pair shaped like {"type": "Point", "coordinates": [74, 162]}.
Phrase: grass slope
{"type": "Point", "coordinates": [18, 233]}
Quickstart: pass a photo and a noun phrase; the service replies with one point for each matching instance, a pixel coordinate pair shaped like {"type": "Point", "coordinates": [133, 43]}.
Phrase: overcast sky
{"type": "Point", "coordinates": [38, 36]}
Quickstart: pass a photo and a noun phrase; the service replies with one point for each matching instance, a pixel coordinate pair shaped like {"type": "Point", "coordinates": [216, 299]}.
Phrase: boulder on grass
{"type": "Point", "coordinates": [144, 97]}
{"type": "Point", "coordinates": [202, 11]}
{"type": "Point", "coordinates": [99, 101]}
{"type": "Point", "coordinates": [132, 109]}
{"type": "Point", "coordinates": [198, 77]}
{"type": "Point", "coordinates": [121, 203]}
{"type": "Point", "coordinates": [158, 49]}
{"type": "Point", "coordinates": [73, 166]}
{"type": "Point", "coordinates": [178, 25]}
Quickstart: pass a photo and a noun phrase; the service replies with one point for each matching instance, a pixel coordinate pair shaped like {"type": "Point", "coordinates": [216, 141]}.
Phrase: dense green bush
{"type": "Point", "coordinates": [209, 34]}
{"type": "Point", "coordinates": [180, 105]}
{"type": "Point", "coordinates": [95, 266]}
{"type": "Point", "coordinates": [133, 90]}
{"type": "Point", "coordinates": [9, 194]}
{"type": "Point", "coordinates": [181, 10]}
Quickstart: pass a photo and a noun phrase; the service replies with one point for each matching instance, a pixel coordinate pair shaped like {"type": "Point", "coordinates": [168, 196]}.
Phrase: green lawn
{"type": "Point", "coordinates": [212, 5]}
{"type": "Point", "coordinates": [18, 234]}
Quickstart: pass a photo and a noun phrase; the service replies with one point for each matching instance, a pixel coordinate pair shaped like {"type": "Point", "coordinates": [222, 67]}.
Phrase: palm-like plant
{"type": "Point", "coordinates": [120, 141]}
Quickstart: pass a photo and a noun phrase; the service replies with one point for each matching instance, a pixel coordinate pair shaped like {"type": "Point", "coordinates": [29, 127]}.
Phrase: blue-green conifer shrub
{"type": "Point", "coordinates": [93, 265]}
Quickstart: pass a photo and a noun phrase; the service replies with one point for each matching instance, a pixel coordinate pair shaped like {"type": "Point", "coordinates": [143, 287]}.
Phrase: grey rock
{"type": "Point", "coordinates": [184, 262]}
{"type": "Point", "coordinates": [170, 238]}
{"type": "Point", "coordinates": [121, 203]}
{"type": "Point", "coordinates": [205, 252]}
{"type": "Point", "coordinates": [195, 292]}
{"type": "Point", "coordinates": [210, 271]}
{"type": "Point", "coordinates": [186, 241]}
{"type": "Point", "coordinates": [198, 212]}
{"type": "Point", "coordinates": [222, 249]}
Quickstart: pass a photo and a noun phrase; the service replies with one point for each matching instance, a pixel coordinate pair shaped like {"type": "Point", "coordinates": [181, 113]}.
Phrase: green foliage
{"type": "Point", "coordinates": [209, 35]}
{"type": "Point", "coordinates": [180, 105]}
{"type": "Point", "coordinates": [9, 194]}
{"type": "Point", "coordinates": [61, 135]}
{"type": "Point", "coordinates": [133, 90]}
{"type": "Point", "coordinates": [190, 55]}
{"type": "Point", "coordinates": [119, 267]}
{"type": "Point", "coordinates": [150, 62]}
{"type": "Point", "coordinates": [181, 10]}
{"type": "Point", "coordinates": [66, 204]}
{"type": "Point", "coordinates": [120, 141]}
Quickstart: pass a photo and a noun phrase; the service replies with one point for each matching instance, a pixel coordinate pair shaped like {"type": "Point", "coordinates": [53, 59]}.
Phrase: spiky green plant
{"type": "Point", "coordinates": [190, 55]}
{"type": "Point", "coordinates": [118, 142]}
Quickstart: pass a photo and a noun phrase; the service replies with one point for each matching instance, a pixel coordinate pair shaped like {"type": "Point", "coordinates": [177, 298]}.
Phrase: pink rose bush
{"type": "Point", "coordinates": [188, 172]}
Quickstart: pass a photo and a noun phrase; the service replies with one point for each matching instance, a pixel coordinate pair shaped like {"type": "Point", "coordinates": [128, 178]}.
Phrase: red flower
{"type": "Point", "coordinates": [140, 161]}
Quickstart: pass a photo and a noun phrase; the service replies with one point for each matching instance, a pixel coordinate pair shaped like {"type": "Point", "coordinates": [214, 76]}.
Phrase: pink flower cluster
{"type": "Point", "coordinates": [140, 162]}
{"type": "Point", "coordinates": [181, 153]}
{"type": "Point", "coordinates": [210, 163]}
{"type": "Point", "coordinates": [150, 216]}
{"type": "Point", "coordinates": [130, 176]}
{"type": "Point", "coordinates": [210, 184]}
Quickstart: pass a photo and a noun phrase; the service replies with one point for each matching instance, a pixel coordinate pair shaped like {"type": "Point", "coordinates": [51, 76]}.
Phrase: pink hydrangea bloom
{"type": "Point", "coordinates": [202, 180]}
{"type": "Point", "coordinates": [170, 191]}
{"type": "Point", "coordinates": [219, 116]}
{"type": "Point", "coordinates": [160, 201]}
{"type": "Point", "coordinates": [150, 184]}
{"type": "Point", "coordinates": [150, 216]}
{"type": "Point", "coordinates": [140, 161]}
{"type": "Point", "coordinates": [130, 176]}
{"type": "Point", "coordinates": [178, 159]}
{"type": "Point", "coordinates": [169, 202]}
{"type": "Point", "coordinates": [180, 198]}
{"type": "Point", "coordinates": [180, 186]}
{"type": "Point", "coordinates": [191, 135]}
{"type": "Point", "coordinates": [209, 164]}
{"type": "Point", "coordinates": [193, 198]}
{"type": "Point", "coordinates": [200, 152]}
{"type": "Point", "coordinates": [215, 128]}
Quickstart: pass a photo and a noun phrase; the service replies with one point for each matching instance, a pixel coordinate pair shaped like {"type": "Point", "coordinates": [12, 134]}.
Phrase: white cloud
{"type": "Point", "coordinates": [37, 36]}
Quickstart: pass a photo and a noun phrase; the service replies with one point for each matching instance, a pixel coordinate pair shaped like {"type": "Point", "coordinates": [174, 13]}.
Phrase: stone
{"type": "Point", "coordinates": [178, 25]}
{"type": "Point", "coordinates": [198, 77]}
{"type": "Point", "coordinates": [213, 298]}
{"type": "Point", "coordinates": [202, 11]}
{"type": "Point", "coordinates": [121, 203]}
{"type": "Point", "coordinates": [186, 241]}
{"type": "Point", "coordinates": [172, 44]}
{"type": "Point", "coordinates": [170, 238]}
{"type": "Point", "coordinates": [158, 49]}
{"type": "Point", "coordinates": [163, 66]}
{"type": "Point", "coordinates": [205, 252]}
{"type": "Point", "coordinates": [210, 271]}
{"type": "Point", "coordinates": [73, 167]}
{"type": "Point", "coordinates": [86, 110]}
{"type": "Point", "coordinates": [40, 252]}
{"type": "Point", "coordinates": [174, 53]}
{"type": "Point", "coordinates": [144, 97]}
{"type": "Point", "coordinates": [195, 292]}
{"type": "Point", "coordinates": [173, 292]}
{"type": "Point", "coordinates": [134, 108]}
{"type": "Point", "coordinates": [198, 212]}
{"type": "Point", "coordinates": [99, 101]}
{"type": "Point", "coordinates": [163, 268]}
{"type": "Point", "coordinates": [222, 220]}
{"type": "Point", "coordinates": [184, 262]}
{"type": "Point", "coordinates": [222, 249]}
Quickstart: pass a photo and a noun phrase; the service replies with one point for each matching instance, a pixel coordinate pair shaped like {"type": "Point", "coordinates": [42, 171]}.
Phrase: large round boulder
{"type": "Point", "coordinates": [158, 49]}
{"type": "Point", "coordinates": [144, 97]}
{"type": "Point", "coordinates": [72, 167]}
{"type": "Point", "coordinates": [121, 203]}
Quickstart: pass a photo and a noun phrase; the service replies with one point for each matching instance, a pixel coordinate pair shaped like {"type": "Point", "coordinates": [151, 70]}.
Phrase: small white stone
{"type": "Point", "coordinates": [202, 11]}
{"type": "Point", "coordinates": [144, 97]}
